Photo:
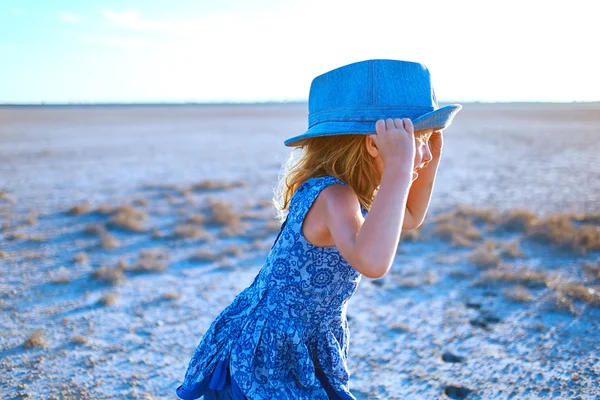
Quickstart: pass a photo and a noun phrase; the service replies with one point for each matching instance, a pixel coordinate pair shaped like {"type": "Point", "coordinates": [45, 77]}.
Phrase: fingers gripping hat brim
{"type": "Point", "coordinates": [437, 119]}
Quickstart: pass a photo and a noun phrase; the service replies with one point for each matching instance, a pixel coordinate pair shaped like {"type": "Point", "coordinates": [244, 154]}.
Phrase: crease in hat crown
{"type": "Point", "coordinates": [351, 98]}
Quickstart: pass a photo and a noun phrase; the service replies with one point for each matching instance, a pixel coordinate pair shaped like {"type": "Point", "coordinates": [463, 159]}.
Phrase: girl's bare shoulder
{"type": "Point", "coordinates": [339, 200]}
{"type": "Point", "coordinates": [336, 206]}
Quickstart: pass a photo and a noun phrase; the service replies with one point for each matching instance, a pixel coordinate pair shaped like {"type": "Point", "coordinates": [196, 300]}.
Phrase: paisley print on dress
{"type": "Point", "coordinates": [286, 335]}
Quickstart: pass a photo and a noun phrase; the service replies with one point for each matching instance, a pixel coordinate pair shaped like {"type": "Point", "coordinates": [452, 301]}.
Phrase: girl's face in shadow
{"type": "Point", "coordinates": [423, 153]}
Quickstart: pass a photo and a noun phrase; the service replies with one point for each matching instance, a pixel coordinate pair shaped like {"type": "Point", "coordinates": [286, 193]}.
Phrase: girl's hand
{"type": "Point", "coordinates": [436, 142]}
{"type": "Point", "coordinates": [395, 141]}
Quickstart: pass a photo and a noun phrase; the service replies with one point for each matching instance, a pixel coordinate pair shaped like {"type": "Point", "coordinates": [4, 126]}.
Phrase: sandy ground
{"type": "Point", "coordinates": [496, 297]}
{"type": "Point", "coordinates": [502, 156]}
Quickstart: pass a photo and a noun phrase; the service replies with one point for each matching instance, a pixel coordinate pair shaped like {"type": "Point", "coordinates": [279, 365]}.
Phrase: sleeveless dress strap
{"type": "Point", "coordinates": [307, 193]}
{"type": "Point", "coordinates": [311, 189]}
{"type": "Point", "coordinates": [305, 196]}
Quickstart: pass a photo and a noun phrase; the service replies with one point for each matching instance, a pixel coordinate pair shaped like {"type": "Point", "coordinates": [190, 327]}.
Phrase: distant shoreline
{"type": "Point", "coordinates": [187, 104]}
{"type": "Point", "coordinates": [267, 103]}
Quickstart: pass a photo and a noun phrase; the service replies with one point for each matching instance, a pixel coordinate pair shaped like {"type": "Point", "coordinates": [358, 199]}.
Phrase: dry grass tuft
{"type": "Point", "coordinates": [559, 230]}
{"type": "Point", "coordinates": [221, 213]}
{"type": "Point", "coordinates": [204, 255]}
{"type": "Point", "coordinates": [460, 274]}
{"type": "Point", "coordinates": [4, 196]}
{"type": "Point", "coordinates": [590, 269]}
{"type": "Point", "coordinates": [210, 184]}
{"type": "Point", "coordinates": [407, 283]}
{"type": "Point", "coordinates": [105, 209]}
{"type": "Point", "coordinates": [31, 219]}
{"type": "Point", "coordinates": [109, 241]}
{"type": "Point", "coordinates": [80, 209]}
{"type": "Point", "coordinates": [129, 218]}
{"type": "Point", "coordinates": [589, 218]}
{"type": "Point", "coordinates": [10, 236]}
{"type": "Point", "coordinates": [397, 327]}
{"type": "Point", "coordinates": [152, 260]}
{"type": "Point", "coordinates": [563, 294]}
{"type": "Point", "coordinates": [233, 250]}
{"type": "Point", "coordinates": [36, 238]}
{"type": "Point", "coordinates": [559, 302]}
{"type": "Point", "coordinates": [512, 249]}
{"type": "Point", "coordinates": [207, 255]}
{"type": "Point", "coordinates": [477, 215]}
{"type": "Point", "coordinates": [588, 238]}
{"type": "Point", "coordinates": [518, 294]}
{"type": "Point", "coordinates": [540, 327]}
{"type": "Point", "coordinates": [575, 290]}
{"type": "Point", "coordinates": [523, 275]}
{"type": "Point", "coordinates": [485, 256]}
{"type": "Point", "coordinates": [111, 275]}
{"type": "Point", "coordinates": [61, 276]}
{"type": "Point", "coordinates": [172, 296]}
{"type": "Point", "coordinates": [79, 339]}
{"type": "Point", "coordinates": [36, 339]}
{"type": "Point", "coordinates": [162, 187]}
{"type": "Point", "coordinates": [456, 228]}
{"type": "Point", "coordinates": [239, 229]}
{"type": "Point", "coordinates": [109, 299]}
{"type": "Point", "coordinates": [189, 231]}
{"type": "Point", "coordinates": [583, 218]}
{"type": "Point", "coordinates": [24, 236]}
{"type": "Point", "coordinates": [80, 257]}
{"type": "Point", "coordinates": [462, 241]}
{"type": "Point", "coordinates": [196, 219]}
{"type": "Point", "coordinates": [431, 278]}
{"type": "Point", "coordinates": [122, 263]}
{"type": "Point", "coordinates": [94, 229]}
{"type": "Point", "coordinates": [187, 194]}
{"type": "Point", "coordinates": [517, 220]}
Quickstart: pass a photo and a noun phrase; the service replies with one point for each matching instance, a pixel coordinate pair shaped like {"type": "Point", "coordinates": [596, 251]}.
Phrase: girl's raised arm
{"type": "Point", "coordinates": [370, 246]}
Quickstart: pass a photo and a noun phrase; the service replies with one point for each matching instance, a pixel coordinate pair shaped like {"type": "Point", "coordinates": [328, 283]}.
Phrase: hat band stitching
{"type": "Point", "coordinates": [372, 108]}
{"type": "Point", "coordinates": [369, 114]}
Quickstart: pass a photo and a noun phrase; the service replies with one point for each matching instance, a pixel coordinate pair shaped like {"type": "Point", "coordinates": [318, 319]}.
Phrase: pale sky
{"type": "Point", "coordinates": [245, 50]}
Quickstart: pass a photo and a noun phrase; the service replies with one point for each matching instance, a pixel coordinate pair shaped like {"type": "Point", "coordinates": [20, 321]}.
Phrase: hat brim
{"type": "Point", "coordinates": [437, 119]}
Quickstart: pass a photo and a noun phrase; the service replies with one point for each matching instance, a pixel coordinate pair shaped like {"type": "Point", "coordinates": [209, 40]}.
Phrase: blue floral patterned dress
{"type": "Point", "coordinates": [286, 335]}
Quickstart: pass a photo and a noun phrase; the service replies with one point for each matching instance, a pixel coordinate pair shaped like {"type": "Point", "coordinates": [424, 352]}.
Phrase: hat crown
{"type": "Point", "coordinates": [370, 90]}
{"type": "Point", "coordinates": [350, 99]}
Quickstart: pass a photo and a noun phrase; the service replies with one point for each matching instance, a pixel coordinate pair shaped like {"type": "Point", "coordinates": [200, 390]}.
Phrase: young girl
{"type": "Point", "coordinates": [365, 173]}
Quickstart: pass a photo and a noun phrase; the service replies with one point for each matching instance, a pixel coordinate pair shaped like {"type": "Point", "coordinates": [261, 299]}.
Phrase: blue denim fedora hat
{"type": "Point", "coordinates": [350, 99]}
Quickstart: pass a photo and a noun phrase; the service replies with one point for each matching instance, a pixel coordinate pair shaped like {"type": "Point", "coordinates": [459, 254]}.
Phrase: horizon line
{"type": "Point", "coordinates": [247, 103]}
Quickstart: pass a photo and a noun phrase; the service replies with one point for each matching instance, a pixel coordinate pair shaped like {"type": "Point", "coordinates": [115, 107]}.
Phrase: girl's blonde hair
{"type": "Point", "coordinates": [342, 156]}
